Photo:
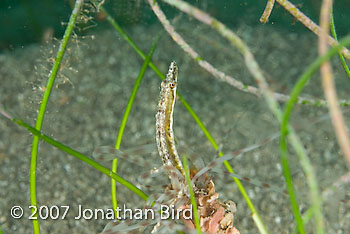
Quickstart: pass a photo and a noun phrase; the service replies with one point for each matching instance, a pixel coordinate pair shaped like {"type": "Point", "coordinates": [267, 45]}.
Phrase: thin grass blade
{"type": "Point", "coordinates": [302, 81]}
{"type": "Point", "coordinates": [125, 118]}
{"type": "Point", "coordinates": [77, 154]}
{"type": "Point", "coordinates": [107, 153]}
{"type": "Point", "coordinates": [42, 109]}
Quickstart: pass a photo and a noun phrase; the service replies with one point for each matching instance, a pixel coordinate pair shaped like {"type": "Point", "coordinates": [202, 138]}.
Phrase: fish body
{"type": "Point", "coordinates": [164, 120]}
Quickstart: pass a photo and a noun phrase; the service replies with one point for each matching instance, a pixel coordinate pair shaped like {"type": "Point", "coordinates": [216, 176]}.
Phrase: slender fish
{"type": "Point", "coordinates": [164, 120]}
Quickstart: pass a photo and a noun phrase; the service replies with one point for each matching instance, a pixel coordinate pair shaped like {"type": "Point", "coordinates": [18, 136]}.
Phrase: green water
{"type": "Point", "coordinates": [26, 22]}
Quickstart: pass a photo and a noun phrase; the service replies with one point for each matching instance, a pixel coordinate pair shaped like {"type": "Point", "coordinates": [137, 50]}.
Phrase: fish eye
{"type": "Point", "coordinates": [172, 85]}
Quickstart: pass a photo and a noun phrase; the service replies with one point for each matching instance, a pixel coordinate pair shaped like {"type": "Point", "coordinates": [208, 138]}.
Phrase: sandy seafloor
{"type": "Point", "coordinates": [87, 105]}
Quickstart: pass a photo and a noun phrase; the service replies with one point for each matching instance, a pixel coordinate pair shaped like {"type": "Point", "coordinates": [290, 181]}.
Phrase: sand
{"type": "Point", "coordinates": [88, 102]}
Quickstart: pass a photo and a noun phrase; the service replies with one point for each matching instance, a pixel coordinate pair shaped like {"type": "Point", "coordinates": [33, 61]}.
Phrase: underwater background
{"type": "Point", "coordinates": [94, 84]}
{"type": "Point", "coordinates": [25, 22]}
